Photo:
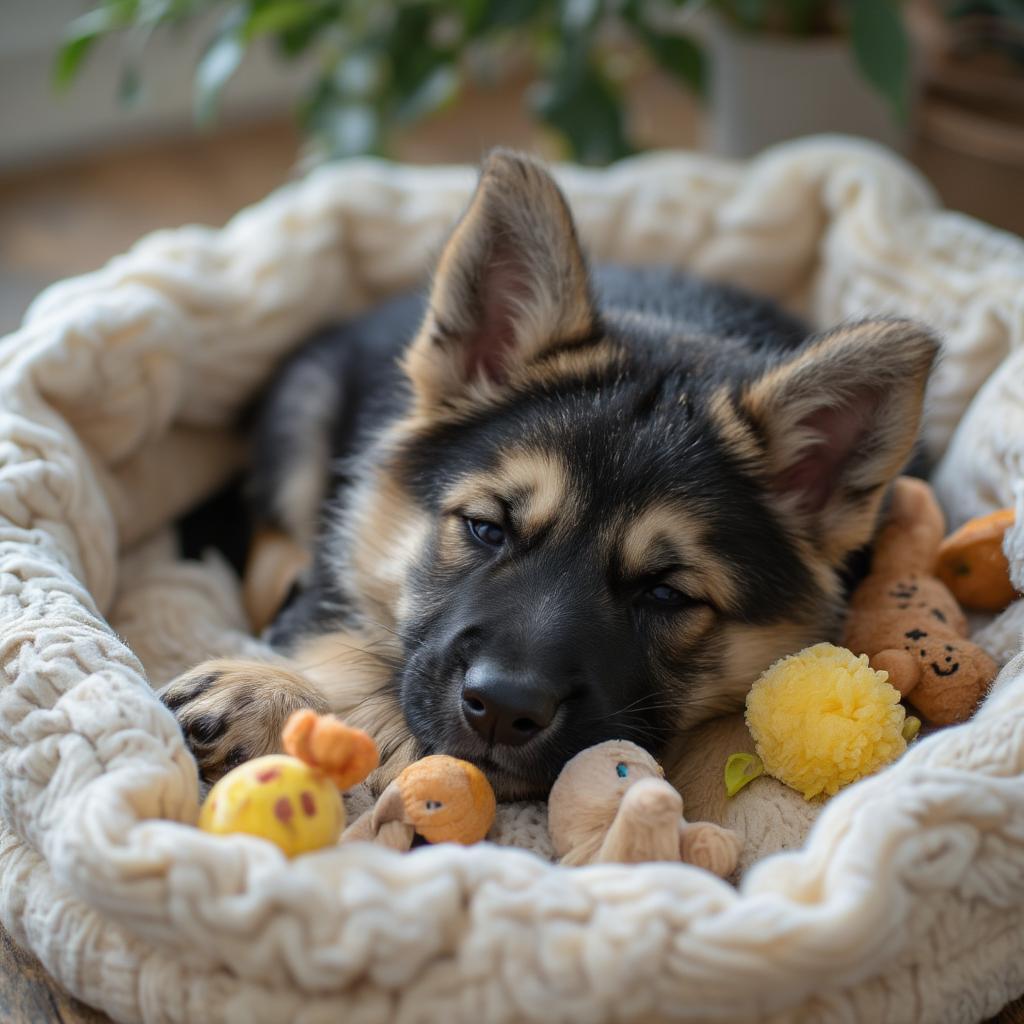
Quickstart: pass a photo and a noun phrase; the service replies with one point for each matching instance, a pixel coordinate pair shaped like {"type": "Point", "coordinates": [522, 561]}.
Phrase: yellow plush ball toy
{"type": "Point", "coordinates": [293, 799]}
{"type": "Point", "coordinates": [277, 798]}
{"type": "Point", "coordinates": [824, 718]}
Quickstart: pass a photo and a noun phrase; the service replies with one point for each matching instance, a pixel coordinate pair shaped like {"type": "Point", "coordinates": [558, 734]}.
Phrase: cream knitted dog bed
{"type": "Point", "coordinates": [906, 902]}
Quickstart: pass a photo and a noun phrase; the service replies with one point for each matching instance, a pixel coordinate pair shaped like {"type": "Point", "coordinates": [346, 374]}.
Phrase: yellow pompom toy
{"type": "Point", "coordinates": [822, 719]}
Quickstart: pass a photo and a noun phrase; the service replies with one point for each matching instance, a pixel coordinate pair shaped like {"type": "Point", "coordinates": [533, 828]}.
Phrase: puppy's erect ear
{"type": "Point", "coordinates": [511, 282]}
{"type": "Point", "coordinates": [838, 422]}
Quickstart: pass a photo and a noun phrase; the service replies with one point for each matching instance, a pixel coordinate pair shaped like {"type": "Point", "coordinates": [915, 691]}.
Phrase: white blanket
{"type": "Point", "coordinates": [905, 903]}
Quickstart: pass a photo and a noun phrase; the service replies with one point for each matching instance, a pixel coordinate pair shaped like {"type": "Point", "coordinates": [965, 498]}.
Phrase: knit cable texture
{"type": "Point", "coordinates": [905, 902]}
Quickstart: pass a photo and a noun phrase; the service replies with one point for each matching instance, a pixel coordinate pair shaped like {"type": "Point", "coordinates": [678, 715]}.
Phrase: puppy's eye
{"type": "Point", "coordinates": [665, 596]}
{"type": "Point", "coordinates": [486, 532]}
{"type": "Point", "coordinates": [432, 805]}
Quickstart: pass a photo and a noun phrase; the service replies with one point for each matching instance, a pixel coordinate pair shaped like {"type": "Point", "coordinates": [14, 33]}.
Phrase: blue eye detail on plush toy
{"type": "Point", "coordinates": [622, 770]}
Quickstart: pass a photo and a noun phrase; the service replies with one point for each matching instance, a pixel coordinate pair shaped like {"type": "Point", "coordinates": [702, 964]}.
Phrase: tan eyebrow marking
{"type": "Point", "coordinates": [533, 483]}
{"type": "Point", "coordinates": [683, 532]}
{"type": "Point", "coordinates": [735, 433]}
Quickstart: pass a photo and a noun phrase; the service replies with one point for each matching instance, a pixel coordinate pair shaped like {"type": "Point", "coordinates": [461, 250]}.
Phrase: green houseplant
{"type": "Point", "coordinates": [376, 65]}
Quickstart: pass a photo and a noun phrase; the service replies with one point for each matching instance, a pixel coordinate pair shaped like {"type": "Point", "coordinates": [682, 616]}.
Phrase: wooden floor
{"type": "Point", "coordinates": [71, 218]}
{"type": "Point", "coordinates": [68, 219]}
{"type": "Point", "coordinates": [29, 996]}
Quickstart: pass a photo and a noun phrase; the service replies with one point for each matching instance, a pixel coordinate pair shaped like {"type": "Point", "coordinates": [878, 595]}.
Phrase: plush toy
{"type": "Point", "coordinates": [611, 803]}
{"type": "Point", "coordinates": [972, 563]}
{"type": "Point", "coordinates": [820, 720]}
{"type": "Point", "coordinates": [439, 798]}
{"type": "Point", "coordinates": [906, 620]}
{"type": "Point", "coordinates": [293, 799]}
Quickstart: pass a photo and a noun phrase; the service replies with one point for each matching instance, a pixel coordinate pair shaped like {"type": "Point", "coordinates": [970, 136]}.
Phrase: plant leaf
{"type": "Point", "coordinates": [580, 15]}
{"type": "Point", "coordinates": [216, 66]}
{"type": "Point", "coordinates": [750, 15]}
{"type": "Point", "coordinates": [70, 58]}
{"type": "Point", "coordinates": [129, 88]}
{"type": "Point", "coordinates": [882, 50]}
{"type": "Point", "coordinates": [579, 102]}
{"type": "Point", "coordinates": [507, 13]}
{"type": "Point", "coordinates": [412, 55]}
{"type": "Point", "coordinates": [82, 34]}
{"type": "Point", "coordinates": [679, 56]}
{"type": "Point", "coordinates": [436, 90]}
{"type": "Point", "coordinates": [1012, 10]}
{"type": "Point", "coordinates": [286, 16]}
{"type": "Point", "coordinates": [801, 15]}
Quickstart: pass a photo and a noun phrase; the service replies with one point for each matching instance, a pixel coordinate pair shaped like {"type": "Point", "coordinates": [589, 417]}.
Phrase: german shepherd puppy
{"type": "Point", "coordinates": [550, 508]}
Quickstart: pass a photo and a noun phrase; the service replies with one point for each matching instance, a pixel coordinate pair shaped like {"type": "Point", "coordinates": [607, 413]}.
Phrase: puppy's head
{"type": "Point", "coordinates": [581, 536]}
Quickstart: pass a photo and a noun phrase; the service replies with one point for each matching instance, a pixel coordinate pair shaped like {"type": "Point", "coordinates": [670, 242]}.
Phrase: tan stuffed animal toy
{"type": "Point", "coordinates": [907, 621]}
{"type": "Point", "coordinates": [611, 804]}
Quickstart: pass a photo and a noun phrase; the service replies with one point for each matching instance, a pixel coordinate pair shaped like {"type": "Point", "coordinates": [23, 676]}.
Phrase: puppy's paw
{"type": "Point", "coordinates": [233, 710]}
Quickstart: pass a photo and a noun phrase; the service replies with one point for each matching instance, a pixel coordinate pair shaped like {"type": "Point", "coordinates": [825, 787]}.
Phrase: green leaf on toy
{"type": "Point", "coordinates": [911, 727]}
{"type": "Point", "coordinates": [741, 769]}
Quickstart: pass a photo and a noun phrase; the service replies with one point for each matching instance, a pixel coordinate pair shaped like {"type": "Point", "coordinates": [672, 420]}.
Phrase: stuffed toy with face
{"type": "Point", "coordinates": [906, 620]}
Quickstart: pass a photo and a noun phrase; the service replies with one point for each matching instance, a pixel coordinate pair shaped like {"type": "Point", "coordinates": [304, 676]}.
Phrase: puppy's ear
{"type": "Point", "coordinates": [837, 422]}
{"type": "Point", "coordinates": [511, 282]}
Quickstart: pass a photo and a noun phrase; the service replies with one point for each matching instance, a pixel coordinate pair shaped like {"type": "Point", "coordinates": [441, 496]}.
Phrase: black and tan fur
{"type": "Point", "coordinates": [681, 474]}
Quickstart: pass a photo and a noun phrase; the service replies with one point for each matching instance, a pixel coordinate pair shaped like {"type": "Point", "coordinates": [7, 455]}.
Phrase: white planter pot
{"type": "Point", "coordinates": [765, 89]}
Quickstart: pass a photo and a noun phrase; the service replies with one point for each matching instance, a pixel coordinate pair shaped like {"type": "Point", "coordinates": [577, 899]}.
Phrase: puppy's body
{"type": "Point", "coordinates": [550, 508]}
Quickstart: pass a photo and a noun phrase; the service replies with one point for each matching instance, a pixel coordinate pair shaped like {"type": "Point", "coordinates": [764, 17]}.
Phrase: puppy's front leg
{"type": "Point", "coordinates": [232, 710]}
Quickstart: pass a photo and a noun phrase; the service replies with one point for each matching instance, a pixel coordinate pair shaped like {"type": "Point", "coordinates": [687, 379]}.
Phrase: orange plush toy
{"type": "Point", "coordinates": [439, 798]}
{"type": "Point", "coordinates": [973, 565]}
{"type": "Point", "coordinates": [294, 799]}
{"type": "Point", "coordinates": [908, 622]}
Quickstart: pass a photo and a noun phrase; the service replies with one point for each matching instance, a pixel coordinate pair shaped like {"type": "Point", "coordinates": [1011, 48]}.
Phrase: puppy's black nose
{"type": "Point", "coordinates": [506, 707]}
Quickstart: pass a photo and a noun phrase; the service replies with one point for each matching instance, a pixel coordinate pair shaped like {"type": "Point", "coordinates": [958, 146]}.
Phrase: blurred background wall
{"type": "Point", "coordinates": [122, 116]}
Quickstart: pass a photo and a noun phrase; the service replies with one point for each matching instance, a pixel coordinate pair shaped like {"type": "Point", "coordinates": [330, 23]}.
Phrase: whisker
{"type": "Point", "coordinates": [638, 707]}
{"type": "Point", "coordinates": [378, 657]}
{"type": "Point", "coordinates": [407, 637]}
